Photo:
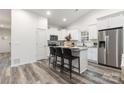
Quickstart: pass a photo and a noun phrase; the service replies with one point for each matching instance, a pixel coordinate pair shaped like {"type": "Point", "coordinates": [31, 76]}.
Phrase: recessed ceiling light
{"type": "Point", "coordinates": [64, 19]}
{"type": "Point", "coordinates": [48, 12]}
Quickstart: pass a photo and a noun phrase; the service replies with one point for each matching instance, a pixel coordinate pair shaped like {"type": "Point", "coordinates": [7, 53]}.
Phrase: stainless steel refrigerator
{"type": "Point", "coordinates": [110, 47]}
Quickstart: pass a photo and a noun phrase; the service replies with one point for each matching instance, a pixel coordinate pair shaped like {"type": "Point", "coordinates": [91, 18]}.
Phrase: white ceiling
{"type": "Point", "coordinates": [5, 18]}
{"type": "Point", "coordinates": [55, 19]}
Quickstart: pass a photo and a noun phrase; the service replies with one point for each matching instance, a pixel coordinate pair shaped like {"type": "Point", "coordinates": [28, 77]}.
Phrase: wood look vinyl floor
{"type": "Point", "coordinates": [5, 64]}
{"type": "Point", "coordinates": [40, 73]}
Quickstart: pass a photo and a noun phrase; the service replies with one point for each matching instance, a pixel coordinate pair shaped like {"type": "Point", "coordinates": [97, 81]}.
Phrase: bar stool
{"type": "Point", "coordinates": [67, 54]}
{"type": "Point", "coordinates": [52, 54]}
{"type": "Point", "coordinates": [59, 53]}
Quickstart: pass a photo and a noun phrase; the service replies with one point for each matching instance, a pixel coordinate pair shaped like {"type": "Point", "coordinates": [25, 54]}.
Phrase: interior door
{"type": "Point", "coordinates": [41, 44]}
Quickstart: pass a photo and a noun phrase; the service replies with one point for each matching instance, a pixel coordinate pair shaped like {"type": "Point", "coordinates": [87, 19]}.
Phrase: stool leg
{"type": "Point", "coordinates": [49, 60]}
{"type": "Point", "coordinates": [70, 68]}
{"type": "Point", "coordinates": [55, 61]}
{"type": "Point", "coordinates": [62, 64]}
{"type": "Point", "coordinates": [79, 65]}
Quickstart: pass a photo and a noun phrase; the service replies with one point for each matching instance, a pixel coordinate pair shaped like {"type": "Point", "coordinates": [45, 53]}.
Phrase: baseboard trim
{"type": "Point", "coordinates": [109, 66]}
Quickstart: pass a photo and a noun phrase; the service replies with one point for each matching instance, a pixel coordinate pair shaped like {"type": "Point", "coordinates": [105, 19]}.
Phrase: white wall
{"type": "Point", "coordinates": [5, 43]}
{"type": "Point", "coordinates": [91, 18]}
{"type": "Point", "coordinates": [24, 26]}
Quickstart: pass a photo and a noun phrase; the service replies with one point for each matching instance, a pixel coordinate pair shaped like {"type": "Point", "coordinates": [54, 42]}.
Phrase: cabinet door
{"type": "Point", "coordinates": [75, 34]}
{"type": "Point", "coordinates": [93, 32]}
{"type": "Point", "coordinates": [116, 21]}
{"type": "Point", "coordinates": [89, 54]}
{"type": "Point", "coordinates": [52, 32]}
{"type": "Point", "coordinates": [94, 56]}
{"type": "Point", "coordinates": [59, 35]}
{"type": "Point", "coordinates": [111, 21]}
{"type": "Point", "coordinates": [70, 32]}
{"type": "Point", "coordinates": [90, 33]}
{"type": "Point", "coordinates": [103, 23]}
{"type": "Point", "coordinates": [63, 34]}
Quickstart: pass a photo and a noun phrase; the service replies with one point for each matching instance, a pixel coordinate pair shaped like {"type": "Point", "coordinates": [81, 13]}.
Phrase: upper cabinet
{"type": "Point", "coordinates": [43, 23]}
{"type": "Point", "coordinates": [116, 21]}
{"type": "Point", "coordinates": [75, 34]}
{"type": "Point", "coordinates": [62, 34]}
{"type": "Point", "coordinates": [103, 23]}
{"type": "Point", "coordinates": [52, 31]}
{"type": "Point", "coordinates": [93, 31]}
{"type": "Point", "coordinates": [110, 21]}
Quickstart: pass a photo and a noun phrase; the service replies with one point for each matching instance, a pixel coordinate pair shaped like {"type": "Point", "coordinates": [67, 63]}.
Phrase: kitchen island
{"type": "Point", "coordinates": [82, 53]}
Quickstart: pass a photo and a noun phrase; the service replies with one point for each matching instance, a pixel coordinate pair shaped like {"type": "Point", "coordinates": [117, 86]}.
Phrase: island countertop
{"type": "Point", "coordinates": [76, 48]}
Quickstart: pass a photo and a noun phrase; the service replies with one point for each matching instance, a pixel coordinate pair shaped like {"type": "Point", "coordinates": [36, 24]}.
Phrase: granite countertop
{"type": "Point", "coordinates": [93, 47]}
{"type": "Point", "coordinates": [80, 48]}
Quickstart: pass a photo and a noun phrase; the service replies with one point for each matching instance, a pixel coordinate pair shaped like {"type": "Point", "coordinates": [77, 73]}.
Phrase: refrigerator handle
{"type": "Point", "coordinates": [107, 43]}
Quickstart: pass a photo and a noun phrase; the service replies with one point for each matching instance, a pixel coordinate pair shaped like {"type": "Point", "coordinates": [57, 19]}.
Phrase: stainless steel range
{"type": "Point", "coordinates": [110, 47]}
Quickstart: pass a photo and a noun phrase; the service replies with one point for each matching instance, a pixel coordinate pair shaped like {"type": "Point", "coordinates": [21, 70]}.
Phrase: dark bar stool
{"type": "Point", "coordinates": [52, 54]}
{"type": "Point", "coordinates": [59, 53]}
{"type": "Point", "coordinates": [67, 54]}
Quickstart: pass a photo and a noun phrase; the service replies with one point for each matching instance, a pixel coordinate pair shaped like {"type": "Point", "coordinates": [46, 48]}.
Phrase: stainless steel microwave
{"type": "Point", "coordinates": [53, 37]}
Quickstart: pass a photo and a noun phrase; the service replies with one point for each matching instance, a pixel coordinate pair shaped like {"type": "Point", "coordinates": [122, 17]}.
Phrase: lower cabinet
{"type": "Point", "coordinates": [92, 55]}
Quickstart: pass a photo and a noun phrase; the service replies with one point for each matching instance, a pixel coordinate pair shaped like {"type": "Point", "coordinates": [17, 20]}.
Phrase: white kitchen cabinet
{"type": "Point", "coordinates": [92, 55]}
{"type": "Point", "coordinates": [63, 34]}
{"type": "Point", "coordinates": [93, 32]}
{"type": "Point", "coordinates": [116, 21]}
{"type": "Point", "coordinates": [75, 34]}
{"type": "Point", "coordinates": [43, 23]}
{"type": "Point", "coordinates": [52, 31]}
{"type": "Point", "coordinates": [110, 21]}
{"type": "Point", "coordinates": [103, 23]}
{"type": "Point", "coordinates": [59, 35]}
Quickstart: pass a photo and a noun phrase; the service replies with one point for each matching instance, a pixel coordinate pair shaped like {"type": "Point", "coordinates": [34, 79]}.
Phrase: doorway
{"type": "Point", "coordinates": [5, 38]}
{"type": "Point", "coordinates": [41, 44]}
